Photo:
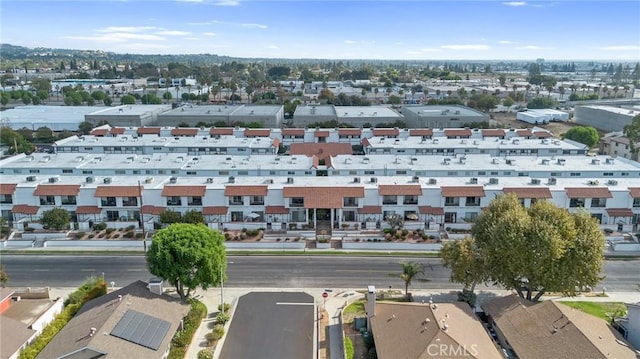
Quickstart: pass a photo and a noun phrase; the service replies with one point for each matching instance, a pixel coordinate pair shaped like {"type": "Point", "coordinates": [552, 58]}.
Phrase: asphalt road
{"type": "Point", "coordinates": [267, 271]}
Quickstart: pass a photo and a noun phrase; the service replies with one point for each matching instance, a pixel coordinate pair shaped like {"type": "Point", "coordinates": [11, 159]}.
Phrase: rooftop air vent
{"type": "Point", "coordinates": [232, 179]}
{"type": "Point", "coordinates": [289, 180]}
{"type": "Point", "coordinates": [173, 179]}
{"type": "Point", "coordinates": [433, 181]}
{"type": "Point", "coordinates": [473, 180]}
{"type": "Point", "coordinates": [493, 181]}
{"type": "Point", "coordinates": [106, 180]}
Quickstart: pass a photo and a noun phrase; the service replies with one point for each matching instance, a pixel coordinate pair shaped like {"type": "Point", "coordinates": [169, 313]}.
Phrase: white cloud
{"type": "Point", "coordinates": [191, 38]}
{"type": "Point", "coordinates": [430, 50]}
{"type": "Point", "coordinates": [274, 47]}
{"type": "Point", "coordinates": [209, 33]}
{"type": "Point", "coordinates": [172, 33]}
{"type": "Point", "coordinates": [349, 42]}
{"type": "Point", "coordinates": [240, 24]}
{"type": "Point", "coordinates": [116, 37]}
{"type": "Point", "coordinates": [507, 42]}
{"type": "Point", "coordinates": [514, 3]}
{"type": "Point", "coordinates": [126, 29]}
{"type": "Point", "coordinates": [466, 47]}
{"type": "Point", "coordinates": [620, 48]}
{"type": "Point", "coordinates": [352, 42]}
{"type": "Point", "coordinates": [227, 3]}
{"type": "Point", "coordinates": [191, 1]}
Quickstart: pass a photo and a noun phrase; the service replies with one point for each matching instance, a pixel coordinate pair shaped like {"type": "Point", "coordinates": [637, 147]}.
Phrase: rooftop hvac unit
{"type": "Point", "coordinates": [289, 180]}
{"type": "Point", "coordinates": [415, 179]}
{"type": "Point", "coordinates": [356, 180]}
{"type": "Point", "coordinates": [373, 180]}
{"type": "Point", "coordinates": [31, 178]}
{"type": "Point", "coordinates": [561, 161]}
{"type": "Point", "coordinates": [232, 179]}
{"type": "Point", "coordinates": [269, 181]}
{"type": "Point", "coordinates": [107, 180]}
{"type": "Point", "coordinates": [433, 181]}
{"type": "Point", "coordinates": [89, 179]}
{"type": "Point", "coordinates": [148, 180]}
{"type": "Point", "coordinates": [473, 180]}
{"type": "Point", "coordinates": [545, 161]}
{"type": "Point", "coordinates": [552, 181]}
{"type": "Point", "coordinates": [209, 180]}
{"type": "Point", "coordinates": [593, 182]}
{"type": "Point", "coordinates": [493, 181]}
{"type": "Point", "coordinates": [612, 182]}
{"type": "Point", "coordinates": [53, 179]}
{"type": "Point", "coordinates": [609, 161]}
{"type": "Point", "coordinates": [595, 161]}
{"type": "Point", "coordinates": [173, 179]}
{"type": "Point", "coordinates": [535, 181]}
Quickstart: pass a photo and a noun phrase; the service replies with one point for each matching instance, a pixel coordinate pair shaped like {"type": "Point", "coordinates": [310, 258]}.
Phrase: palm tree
{"type": "Point", "coordinates": [409, 271]}
{"type": "Point", "coordinates": [561, 90]}
{"type": "Point", "coordinates": [584, 88]}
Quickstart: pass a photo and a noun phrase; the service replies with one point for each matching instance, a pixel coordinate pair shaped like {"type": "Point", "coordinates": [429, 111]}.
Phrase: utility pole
{"type": "Point", "coordinates": [144, 233]}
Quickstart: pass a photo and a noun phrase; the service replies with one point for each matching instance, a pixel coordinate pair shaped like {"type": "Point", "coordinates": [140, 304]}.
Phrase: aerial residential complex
{"type": "Point", "coordinates": [236, 178]}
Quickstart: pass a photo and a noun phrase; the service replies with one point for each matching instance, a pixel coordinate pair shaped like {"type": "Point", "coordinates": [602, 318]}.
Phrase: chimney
{"type": "Point", "coordinates": [371, 304]}
{"type": "Point", "coordinates": [155, 286]}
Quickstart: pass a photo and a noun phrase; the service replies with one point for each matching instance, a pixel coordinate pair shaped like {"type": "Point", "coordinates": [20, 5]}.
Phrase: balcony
{"type": "Point", "coordinates": [130, 203]}
{"type": "Point", "coordinates": [109, 202]}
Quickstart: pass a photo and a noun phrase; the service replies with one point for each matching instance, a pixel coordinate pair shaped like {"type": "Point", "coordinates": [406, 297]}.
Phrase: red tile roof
{"type": "Point", "coordinates": [492, 133]}
{"type": "Point", "coordinates": [365, 142]}
{"type": "Point", "coordinates": [463, 132]}
{"type": "Point", "coordinates": [184, 132]}
{"type": "Point", "coordinates": [224, 131]}
{"type": "Point", "coordinates": [435, 211]}
{"type": "Point", "coordinates": [323, 197]}
{"type": "Point", "coordinates": [318, 133]}
{"type": "Point", "coordinates": [529, 192]}
{"type": "Point", "coordinates": [57, 190]}
{"type": "Point", "coordinates": [117, 130]}
{"type": "Point", "coordinates": [321, 150]}
{"type": "Point", "coordinates": [117, 191]}
{"type": "Point", "coordinates": [400, 190]}
{"type": "Point", "coordinates": [214, 211]}
{"type": "Point", "coordinates": [349, 132]}
{"type": "Point", "coordinates": [293, 132]}
{"type": "Point", "coordinates": [370, 210]}
{"type": "Point", "coordinates": [421, 132]}
{"type": "Point", "coordinates": [542, 134]}
{"type": "Point", "coordinates": [634, 192]}
{"type": "Point", "coordinates": [184, 191]}
{"type": "Point", "coordinates": [154, 210]}
{"type": "Point", "coordinates": [88, 210]}
{"type": "Point", "coordinates": [619, 212]}
{"type": "Point", "coordinates": [588, 192]}
{"type": "Point", "coordinates": [252, 132]}
{"type": "Point", "coordinates": [276, 210]}
{"type": "Point", "coordinates": [246, 190]}
{"type": "Point", "coordinates": [7, 188]}
{"type": "Point", "coordinates": [386, 132]}
{"type": "Point", "coordinates": [524, 133]}
{"type": "Point", "coordinates": [149, 130]}
{"type": "Point", "coordinates": [99, 132]}
{"type": "Point", "coordinates": [25, 209]}
{"type": "Point", "coordinates": [463, 191]}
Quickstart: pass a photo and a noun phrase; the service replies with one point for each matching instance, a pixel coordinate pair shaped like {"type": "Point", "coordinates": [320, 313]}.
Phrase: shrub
{"type": "Point", "coordinates": [99, 226]}
{"type": "Point", "coordinates": [90, 236]}
{"type": "Point", "coordinates": [79, 235]}
{"type": "Point", "coordinates": [128, 234]}
{"type": "Point", "coordinates": [222, 318]}
{"type": "Point", "coordinates": [205, 354]}
{"type": "Point", "coordinates": [405, 232]}
{"type": "Point", "coordinates": [244, 230]}
{"type": "Point", "coordinates": [227, 306]}
{"type": "Point", "coordinates": [608, 230]}
{"type": "Point", "coordinates": [192, 320]}
{"type": "Point", "coordinates": [243, 236]}
{"type": "Point", "coordinates": [139, 235]}
{"type": "Point", "coordinates": [217, 332]}
{"type": "Point", "coordinates": [468, 297]}
{"type": "Point", "coordinates": [131, 228]}
{"type": "Point", "coordinates": [110, 230]}
{"type": "Point", "coordinates": [29, 229]}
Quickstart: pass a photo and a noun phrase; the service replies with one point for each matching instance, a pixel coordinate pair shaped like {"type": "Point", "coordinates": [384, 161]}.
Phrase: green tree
{"type": "Point", "coordinates": [508, 102]}
{"type": "Point", "coordinates": [632, 131]}
{"type": "Point", "coordinates": [56, 218]}
{"type": "Point", "coordinates": [170, 217]}
{"type": "Point", "coordinates": [394, 100]}
{"type": "Point", "coordinates": [128, 100]}
{"type": "Point", "coordinates": [167, 95]}
{"type": "Point", "coordinates": [541, 102]}
{"type": "Point", "coordinates": [538, 249]}
{"type": "Point", "coordinates": [193, 217]}
{"type": "Point", "coordinates": [466, 264]}
{"type": "Point", "coordinates": [85, 127]}
{"type": "Point", "coordinates": [14, 141]}
{"type": "Point", "coordinates": [188, 256]}
{"type": "Point", "coordinates": [44, 135]}
{"type": "Point", "coordinates": [409, 271]}
{"type": "Point", "coordinates": [4, 277]}
{"type": "Point", "coordinates": [583, 134]}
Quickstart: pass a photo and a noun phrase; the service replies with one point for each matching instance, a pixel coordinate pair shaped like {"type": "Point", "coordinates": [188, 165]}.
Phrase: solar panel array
{"type": "Point", "coordinates": [141, 329]}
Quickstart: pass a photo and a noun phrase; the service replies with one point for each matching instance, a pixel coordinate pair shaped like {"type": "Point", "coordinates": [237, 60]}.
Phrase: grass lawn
{"type": "Point", "coordinates": [602, 310]}
{"type": "Point", "coordinates": [356, 308]}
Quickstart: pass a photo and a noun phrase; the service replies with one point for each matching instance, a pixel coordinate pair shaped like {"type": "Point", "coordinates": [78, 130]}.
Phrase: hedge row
{"type": "Point", "coordinates": [182, 339]}
{"type": "Point", "coordinates": [348, 348]}
{"type": "Point", "coordinates": [94, 287]}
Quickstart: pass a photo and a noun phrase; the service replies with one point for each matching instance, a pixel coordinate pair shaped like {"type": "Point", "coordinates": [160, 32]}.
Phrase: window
{"type": "Point", "coordinates": [272, 173]}
{"type": "Point", "coordinates": [624, 174]}
{"type": "Point", "coordinates": [387, 214]}
{"type": "Point", "coordinates": [256, 200]}
{"type": "Point", "coordinates": [174, 201]}
{"type": "Point", "coordinates": [236, 201]}
{"type": "Point", "coordinates": [137, 172]}
{"type": "Point", "coordinates": [242, 173]}
{"type": "Point", "coordinates": [369, 172]}
{"type": "Point", "coordinates": [174, 172]}
{"type": "Point", "coordinates": [194, 201]}
{"type": "Point", "coordinates": [237, 216]}
{"type": "Point", "coordinates": [353, 173]}
{"type": "Point", "coordinates": [390, 200]}
{"type": "Point", "coordinates": [308, 172]}
{"type": "Point", "coordinates": [450, 217]}
{"type": "Point", "coordinates": [575, 174]}
{"type": "Point", "coordinates": [576, 202]}
{"type": "Point", "coordinates": [470, 216]}
{"type": "Point", "coordinates": [129, 201]}
{"type": "Point", "coordinates": [87, 172]}
{"type": "Point", "coordinates": [472, 202]}
{"type": "Point", "coordinates": [298, 215]}
{"type": "Point", "coordinates": [399, 172]}
{"type": "Point", "coordinates": [349, 216]}
{"type": "Point", "coordinates": [296, 202]}
{"type": "Point", "coordinates": [67, 171]}
{"type": "Point", "coordinates": [108, 201]}
{"type": "Point", "coordinates": [597, 216]}
{"type": "Point", "coordinates": [523, 174]}
{"type": "Point", "coordinates": [506, 173]}
{"type": "Point", "coordinates": [34, 171]}
{"type": "Point", "coordinates": [113, 215]}
{"type": "Point", "coordinates": [410, 200]}
{"type": "Point", "coordinates": [67, 200]}
{"type": "Point", "coordinates": [636, 202]}
{"type": "Point", "coordinates": [452, 173]}
{"type": "Point", "coordinates": [149, 172]}
{"type": "Point", "coordinates": [556, 174]}
{"type": "Point", "coordinates": [6, 198]}
{"type": "Point", "coordinates": [223, 173]}
{"type": "Point", "coordinates": [47, 201]}
{"type": "Point", "coordinates": [482, 173]}
{"type": "Point", "coordinates": [350, 202]}
{"type": "Point", "coordinates": [607, 174]}
{"type": "Point", "coordinates": [452, 201]}
{"type": "Point", "coordinates": [161, 172]}
{"type": "Point", "coordinates": [120, 172]}
{"type": "Point", "coordinates": [494, 173]}
{"type": "Point", "coordinates": [598, 202]}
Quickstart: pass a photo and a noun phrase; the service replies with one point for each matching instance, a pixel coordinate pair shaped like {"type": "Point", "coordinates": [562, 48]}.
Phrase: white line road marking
{"type": "Point", "coordinates": [293, 303]}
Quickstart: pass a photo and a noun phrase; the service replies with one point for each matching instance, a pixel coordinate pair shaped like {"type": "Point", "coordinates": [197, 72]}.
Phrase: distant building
{"type": "Point", "coordinates": [56, 118]}
{"type": "Point", "coordinates": [605, 118]}
{"type": "Point", "coordinates": [616, 144]}
{"type": "Point", "coordinates": [127, 115]}
{"type": "Point", "coordinates": [437, 116]}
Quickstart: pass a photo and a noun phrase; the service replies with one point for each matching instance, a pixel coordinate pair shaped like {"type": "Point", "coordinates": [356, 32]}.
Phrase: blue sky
{"type": "Point", "coordinates": [419, 29]}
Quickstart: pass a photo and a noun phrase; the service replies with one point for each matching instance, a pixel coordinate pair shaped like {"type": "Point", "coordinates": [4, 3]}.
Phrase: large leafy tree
{"type": "Point", "coordinates": [583, 134]}
{"type": "Point", "coordinates": [466, 263]}
{"type": "Point", "coordinates": [632, 131]}
{"type": "Point", "coordinates": [409, 271]}
{"type": "Point", "coordinates": [188, 256]}
{"type": "Point", "coordinates": [56, 218]}
{"type": "Point", "coordinates": [538, 249]}
{"type": "Point", "coordinates": [4, 277]}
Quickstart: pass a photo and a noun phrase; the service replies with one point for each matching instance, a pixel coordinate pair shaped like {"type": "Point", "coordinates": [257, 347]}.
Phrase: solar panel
{"type": "Point", "coordinates": [141, 329]}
